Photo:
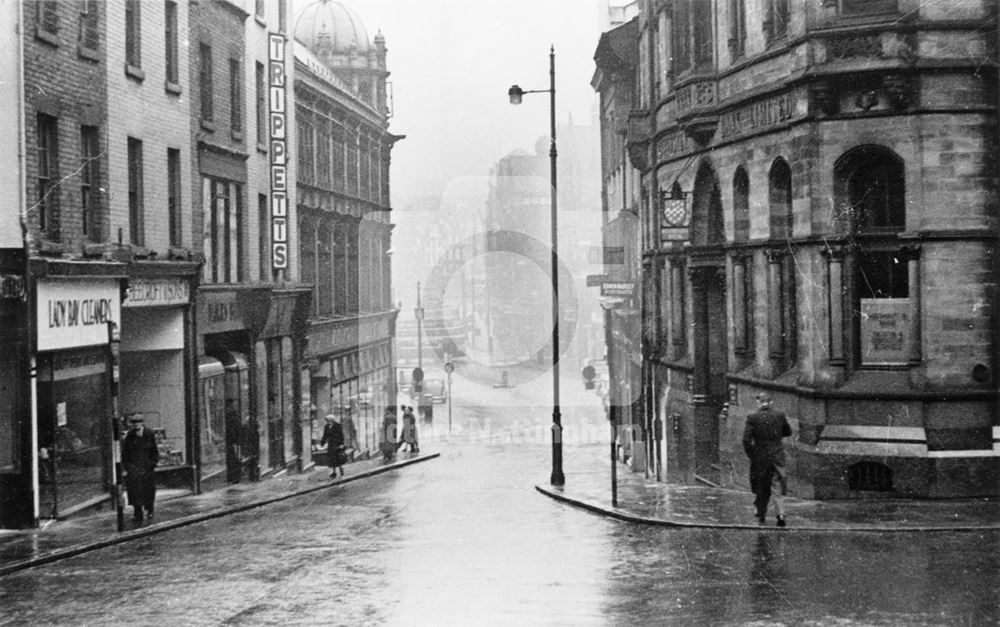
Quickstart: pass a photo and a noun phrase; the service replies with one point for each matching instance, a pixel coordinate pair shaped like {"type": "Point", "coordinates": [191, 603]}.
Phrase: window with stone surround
{"type": "Point", "coordinates": [692, 34]}
{"type": "Point", "coordinates": [780, 200]}
{"type": "Point", "coordinates": [224, 231]}
{"type": "Point", "coordinates": [133, 34]}
{"type": "Point", "coordinates": [90, 183]}
{"type": "Point", "coordinates": [260, 92]}
{"type": "Point", "coordinates": [737, 28]}
{"type": "Point", "coordinates": [236, 99]}
{"type": "Point", "coordinates": [171, 42]}
{"type": "Point", "coordinates": [136, 227]}
{"type": "Point", "coordinates": [47, 16]}
{"type": "Point", "coordinates": [776, 17]}
{"type": "Point", "coordinates": [880, 319]}
{"type": "Point", "coordinates": [47, 183]}
{"type": "Point", "coordinates": [781, 272]}
{"type": "Point", "coordinates": [174, 204]}
{"type": "Point", "coordinates": [88, 38]}
{"type": "Point", "coordinates": [205, 88]}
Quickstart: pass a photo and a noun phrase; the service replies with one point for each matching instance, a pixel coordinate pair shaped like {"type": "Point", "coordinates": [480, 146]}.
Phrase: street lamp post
{"type": "Point", "coordinates": [515, 94]}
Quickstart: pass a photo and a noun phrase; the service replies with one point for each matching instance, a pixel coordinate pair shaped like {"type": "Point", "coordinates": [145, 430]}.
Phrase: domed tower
{"type": "Point", "coordinates": [338, 38]}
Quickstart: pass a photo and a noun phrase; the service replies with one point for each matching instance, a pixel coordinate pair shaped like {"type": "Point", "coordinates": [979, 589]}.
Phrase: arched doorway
{"type": "Point", "coordinates": [708, 287]}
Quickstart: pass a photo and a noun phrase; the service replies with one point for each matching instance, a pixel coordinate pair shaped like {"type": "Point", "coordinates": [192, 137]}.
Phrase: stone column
{"type": "Point", "coordinates": [835, 309]}
{"type": "Point", "coordinates": [775, 304]}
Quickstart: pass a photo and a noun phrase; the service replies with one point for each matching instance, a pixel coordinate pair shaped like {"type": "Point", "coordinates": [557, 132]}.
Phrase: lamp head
{"type": "Point", "coordinates": [515, 93]}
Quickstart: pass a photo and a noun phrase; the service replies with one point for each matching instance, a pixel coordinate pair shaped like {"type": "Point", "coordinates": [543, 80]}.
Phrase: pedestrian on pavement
{"type": "Point", "coordinates": [389, 427]}
{"type": "Point", "coordinates": [350, 436]}
{"type": "Point", "coordinates": [333, 438]}
{"type": "Point", "coordinates": [139, 458]}
{"type": "Point", "coordinates": [762, 437]}
{"type": "Point", "coordinates": [409, 434]}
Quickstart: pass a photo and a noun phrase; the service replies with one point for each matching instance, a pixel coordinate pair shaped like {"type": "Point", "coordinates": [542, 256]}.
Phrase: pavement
{"type": "Point", "coordinates": [59, 539]}
{"type": "Point", "coordinates": [646, 501]}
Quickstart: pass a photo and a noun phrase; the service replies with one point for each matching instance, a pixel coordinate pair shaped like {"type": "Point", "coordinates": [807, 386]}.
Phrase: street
{"type": "Point", "coordinates": [465, 539]}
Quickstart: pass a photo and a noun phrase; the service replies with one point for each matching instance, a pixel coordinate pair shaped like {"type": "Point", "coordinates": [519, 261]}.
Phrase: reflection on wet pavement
{"type": "Point", "coordinates": [465, 539]}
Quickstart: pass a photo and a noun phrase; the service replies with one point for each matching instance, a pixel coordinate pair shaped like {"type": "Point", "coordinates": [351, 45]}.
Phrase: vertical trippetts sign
{"type": "Point", "coordinates": [279, 153]}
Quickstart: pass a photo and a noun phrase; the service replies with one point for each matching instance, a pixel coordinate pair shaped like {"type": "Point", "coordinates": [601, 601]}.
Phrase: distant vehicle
{"type": "Point", "coordinates": [433, 391]}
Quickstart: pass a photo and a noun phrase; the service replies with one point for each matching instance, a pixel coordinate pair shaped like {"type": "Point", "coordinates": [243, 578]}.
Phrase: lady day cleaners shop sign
{"type": "Point", "coordinates": [72, 314]}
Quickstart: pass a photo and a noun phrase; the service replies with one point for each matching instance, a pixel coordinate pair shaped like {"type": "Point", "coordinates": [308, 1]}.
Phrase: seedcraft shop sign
{"type": "Point", "coordinates": [71, 314]}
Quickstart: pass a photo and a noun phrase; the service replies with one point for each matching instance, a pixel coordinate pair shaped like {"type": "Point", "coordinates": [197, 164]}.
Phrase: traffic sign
{"type": "Point", "coordinates": [449, 367]}
{"type": "Point", "coordinates": [418, 375]}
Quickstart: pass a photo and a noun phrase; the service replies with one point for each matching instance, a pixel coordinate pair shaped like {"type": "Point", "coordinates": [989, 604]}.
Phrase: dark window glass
{"type": "Point", "coordinates": [235, 96]}
{"type": "Point", "coordinates": [882, 274]}
{"type": "Point", "coordinates": [48, 16]}
{"type": "Point", "coordinates": [47, 150]}
{"type": "Point", "coordinates": [89, 36]}
{"type": "Point", "coordinates": [737, 27]}
{"type": "Point", "coordinates": [133, 38]}
{"type": "Point", "coordinates": [205, 82]}
{"type": "Point", "coordinates": [776, 19]}
{"type": "Point", "coordinates": [681, 32]}
{"type": "Point", "coordinates": [876, 195]}
{"type": "Point", "coordinates": [780, 200]}
{"type": "Point", "coordinates": [170, 33]}
{"type": "Point", "coordinates": [174, 196]}
{"type": "Point", "coordinates": [741, 205]}
{"type": "Point", "coordinates": [702, 30]}
{"type": "Point", "coordinates": [261, 102]}
{"type": "Point", "coordinates": [90, 182]}
{"type": "Point", "coordinates": [135, 200]}
{"type": "Point", "coordinates": [263, 234]}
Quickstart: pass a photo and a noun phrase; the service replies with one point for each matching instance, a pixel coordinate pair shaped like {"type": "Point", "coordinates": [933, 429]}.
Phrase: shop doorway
{"type": "Point", "coordinates": [708, 283]}
{"type": "Point", "coordinates": [240, 431]}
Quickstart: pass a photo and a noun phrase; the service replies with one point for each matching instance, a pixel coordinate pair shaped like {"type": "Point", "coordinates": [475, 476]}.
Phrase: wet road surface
{"type": "Point", "coordinates": [465, 539]}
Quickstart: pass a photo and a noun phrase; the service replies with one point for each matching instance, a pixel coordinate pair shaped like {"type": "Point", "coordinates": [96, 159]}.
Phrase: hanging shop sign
{"type": "Point", "coordinates": [71, 314]}
{"type": "Point", "coordinates": [279, 151]}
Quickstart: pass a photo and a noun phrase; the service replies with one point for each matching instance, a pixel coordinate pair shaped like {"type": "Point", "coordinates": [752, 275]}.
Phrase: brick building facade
{"type": "Point", "coordinates": [819, 220]}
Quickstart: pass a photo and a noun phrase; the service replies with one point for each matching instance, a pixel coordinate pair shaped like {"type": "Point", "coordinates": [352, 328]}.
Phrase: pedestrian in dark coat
{"type": "Point", "coordinates": [409, 432]}
{"type": "Point", "coordinates": [139, 458]}
{"type": "Point", "coordinates": [762, 437]}
{"type": "Point", "coordinates": [333, 438]}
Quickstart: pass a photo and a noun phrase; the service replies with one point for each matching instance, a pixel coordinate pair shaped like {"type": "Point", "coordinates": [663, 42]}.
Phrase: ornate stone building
{"type": "Point", "coordinates": [343, 153]}
{"type": "Point", "coordinates": [819, 220]}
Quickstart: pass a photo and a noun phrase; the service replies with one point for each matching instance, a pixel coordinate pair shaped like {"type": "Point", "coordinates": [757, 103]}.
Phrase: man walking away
{"type": "Point", "coordinates": [762, 437]}
{"type": "Point", "coordinates": [139, 458]}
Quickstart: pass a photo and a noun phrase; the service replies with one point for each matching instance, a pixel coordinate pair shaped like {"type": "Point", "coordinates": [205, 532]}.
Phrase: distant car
{"type": "Point", "coordinates": [432, 391]}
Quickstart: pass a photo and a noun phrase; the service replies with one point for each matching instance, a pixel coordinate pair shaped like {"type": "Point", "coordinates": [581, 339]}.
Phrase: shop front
{"type": "Point", "coordinates": [74, 320]}
{"type": "Point", "coordinates": [154, 380]}
{"type": "Point", "coordinates": [229, 322]}
{"type": "Point", "coordinates": [351, 365]}
{"type": "Point", "coordinates": [279, 351]}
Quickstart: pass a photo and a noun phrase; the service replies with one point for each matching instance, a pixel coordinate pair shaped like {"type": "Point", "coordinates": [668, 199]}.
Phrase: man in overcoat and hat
{"type": "Point", "coordinates": [762, 437]}
{"type": "Point", "coordinates": [139, 458]}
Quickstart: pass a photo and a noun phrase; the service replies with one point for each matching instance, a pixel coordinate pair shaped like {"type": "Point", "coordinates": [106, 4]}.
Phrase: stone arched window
{"type": "Point", "coordinates": [741, 205]}
{"type": "Point", "coordinates": [781, 271]}
{"type": "Point", "coordinates": [708, 227]}
{"type": "Point", "coordinates": [880, 314]}
{"type": "Point", "coordinates": [780, 199]}
{"type": "Point", "coordinates": [742, 268]}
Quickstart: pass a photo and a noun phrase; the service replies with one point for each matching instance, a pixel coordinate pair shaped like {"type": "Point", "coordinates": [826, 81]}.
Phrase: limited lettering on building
{"type": "Point", "coordinates": [72, 314]}
{"type": "Point", "coordinates": [756, 116]}
{"type": "Point", "coordinates": [279, 151]}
